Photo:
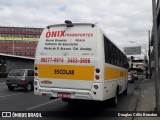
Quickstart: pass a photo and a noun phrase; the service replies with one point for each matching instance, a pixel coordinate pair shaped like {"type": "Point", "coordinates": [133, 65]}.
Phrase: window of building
{"type": "Point", "coordinates": [12, 29]}
{"type": "Point", "coordinates": [17, 53]}
{"type": "Point", "coordinates": [18, 48]}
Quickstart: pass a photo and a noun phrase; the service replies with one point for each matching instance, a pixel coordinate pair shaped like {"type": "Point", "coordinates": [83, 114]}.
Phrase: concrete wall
{"type": "Point", "coordinates": [18, 63]}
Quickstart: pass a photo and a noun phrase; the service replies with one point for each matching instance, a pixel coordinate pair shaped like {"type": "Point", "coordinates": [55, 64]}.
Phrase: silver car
{"type": "Point", "coordinates": [20, 78]}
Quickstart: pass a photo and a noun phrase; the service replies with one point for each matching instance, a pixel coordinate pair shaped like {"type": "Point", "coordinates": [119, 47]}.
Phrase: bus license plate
{"type": "Point", "coordinates": [64, 95]}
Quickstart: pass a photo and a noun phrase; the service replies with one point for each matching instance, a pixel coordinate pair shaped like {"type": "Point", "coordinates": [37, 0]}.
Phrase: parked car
{"type": "Point", "coordinates": [130, 78]}
{"type": "Point", "coordinates": [135, 75]}
{"type": "Point", "coordinates": [20, 78]}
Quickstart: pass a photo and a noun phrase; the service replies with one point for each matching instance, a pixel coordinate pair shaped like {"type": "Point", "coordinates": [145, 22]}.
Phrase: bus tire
{"type": "Point", "coordinates": [115, 99]}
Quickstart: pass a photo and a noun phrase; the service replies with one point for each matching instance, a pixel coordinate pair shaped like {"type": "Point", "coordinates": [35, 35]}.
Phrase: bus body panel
{"type": "Point", "coordinates": [66, 59]}
{"type": "Point", "coordinates": [114, 77]}
{"type": "Point", "coordinates": [66, 64]}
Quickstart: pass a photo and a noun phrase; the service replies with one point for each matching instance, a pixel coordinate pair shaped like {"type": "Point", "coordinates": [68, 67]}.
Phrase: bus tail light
{"type": "Point", "coordinates": [36, 71]}
{"type": "Point", "coordinates": [97, 70]}
{"type": "Point", "coordinates": [36, 74]}
{"type": "Point", "coordinates": [36, 68]}
{"type": "Point", "coordinates": [97, 77]}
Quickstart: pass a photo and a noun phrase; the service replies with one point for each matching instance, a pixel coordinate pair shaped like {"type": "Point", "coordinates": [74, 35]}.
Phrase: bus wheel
{"type": "Point", "coordinates": [115, 99]}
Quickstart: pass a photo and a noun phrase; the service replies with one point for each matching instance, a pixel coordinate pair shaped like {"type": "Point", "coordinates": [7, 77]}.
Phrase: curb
{"type": "Point", "coordinates": [138, 98]}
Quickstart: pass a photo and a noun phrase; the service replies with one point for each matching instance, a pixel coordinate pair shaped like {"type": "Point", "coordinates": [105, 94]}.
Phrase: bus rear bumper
{"type": "Point", "coordinates": [64, 93]}
{"type": "Point", "coordinates": [85, 94]}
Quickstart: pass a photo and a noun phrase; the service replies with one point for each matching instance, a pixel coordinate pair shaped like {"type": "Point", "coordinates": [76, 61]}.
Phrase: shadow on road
{"type": "Point", "coordinates": [80, 109]}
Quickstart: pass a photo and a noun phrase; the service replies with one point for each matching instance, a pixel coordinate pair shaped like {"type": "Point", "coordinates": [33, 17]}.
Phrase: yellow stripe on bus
{"type": "Point", "coordinates": [115, 73]}
{"type": "Point", "coordinates": [73, 72]}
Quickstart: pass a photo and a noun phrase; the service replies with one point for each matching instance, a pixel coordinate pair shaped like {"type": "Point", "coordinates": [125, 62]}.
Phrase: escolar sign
{"type": "Point", "coordinates": [70, 72]}
{"type": "Point", "coordinates": [67, 72]}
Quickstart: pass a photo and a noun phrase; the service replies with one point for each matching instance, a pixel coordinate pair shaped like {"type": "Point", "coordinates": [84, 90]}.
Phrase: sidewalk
{"type": "Point", "coordinates": [146, 100]}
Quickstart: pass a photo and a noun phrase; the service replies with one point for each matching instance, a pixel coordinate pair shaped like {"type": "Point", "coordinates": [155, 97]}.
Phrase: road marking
{"type": "Point", "coordinates": [43, 104]}
{"type": "Point", "coordinates": [11, 95]}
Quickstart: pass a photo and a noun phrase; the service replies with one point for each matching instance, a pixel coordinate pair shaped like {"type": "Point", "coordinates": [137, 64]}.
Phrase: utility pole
{"type": "Point", "coordinates": [155, 48]}
{"type": "Point", "coordinates": [149, 56]}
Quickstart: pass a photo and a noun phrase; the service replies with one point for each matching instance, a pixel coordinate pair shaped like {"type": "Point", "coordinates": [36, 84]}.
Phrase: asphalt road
{"type": "Point", "coordinates": [20, 100]}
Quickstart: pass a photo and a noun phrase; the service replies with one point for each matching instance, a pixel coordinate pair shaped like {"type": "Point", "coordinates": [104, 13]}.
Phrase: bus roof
{"type": "Point", "coordinates": [76, 24]}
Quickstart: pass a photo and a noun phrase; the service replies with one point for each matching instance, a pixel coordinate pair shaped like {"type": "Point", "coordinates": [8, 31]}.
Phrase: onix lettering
{"type": "Point", "coordinates": [55, 34]}
{"type": "Point", "coordinates": [59, 33]}
{"type": "Point", "coordinates": [67, 72]}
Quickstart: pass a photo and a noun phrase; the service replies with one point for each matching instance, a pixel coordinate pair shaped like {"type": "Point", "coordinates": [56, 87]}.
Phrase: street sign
{"type": "Point", "coordinates": [132, 50]}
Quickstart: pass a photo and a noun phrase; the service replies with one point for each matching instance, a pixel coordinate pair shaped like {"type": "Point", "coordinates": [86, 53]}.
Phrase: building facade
{"type": "Point", "coordinates": [10, 62]}
{"type": "Point", "coordinates": [20, 41]}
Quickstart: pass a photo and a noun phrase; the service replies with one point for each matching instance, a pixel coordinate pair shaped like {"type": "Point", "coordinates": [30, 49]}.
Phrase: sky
{"type": "Point", "coordinates": [121, 20]}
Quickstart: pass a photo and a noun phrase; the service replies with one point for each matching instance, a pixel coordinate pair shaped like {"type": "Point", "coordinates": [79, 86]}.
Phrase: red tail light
{"type": "Point", "coordinates": [23, 81]}
{"type": "Point", "coordinates": [36, 68]}
{"type": "Point", "coordinates": [97, 77]}
{"type": "Point", "coordinates": [36, 71]}
{"type": "Point", "coordinates": [35, 74]}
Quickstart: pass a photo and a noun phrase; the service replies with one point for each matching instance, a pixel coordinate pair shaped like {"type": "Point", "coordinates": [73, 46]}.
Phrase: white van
{"type": "Point", "coordinates": [78, 61]}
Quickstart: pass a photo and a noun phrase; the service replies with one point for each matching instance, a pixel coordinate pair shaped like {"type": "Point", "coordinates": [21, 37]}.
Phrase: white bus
{"type": "Point", "coordinates": [77, 61]}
